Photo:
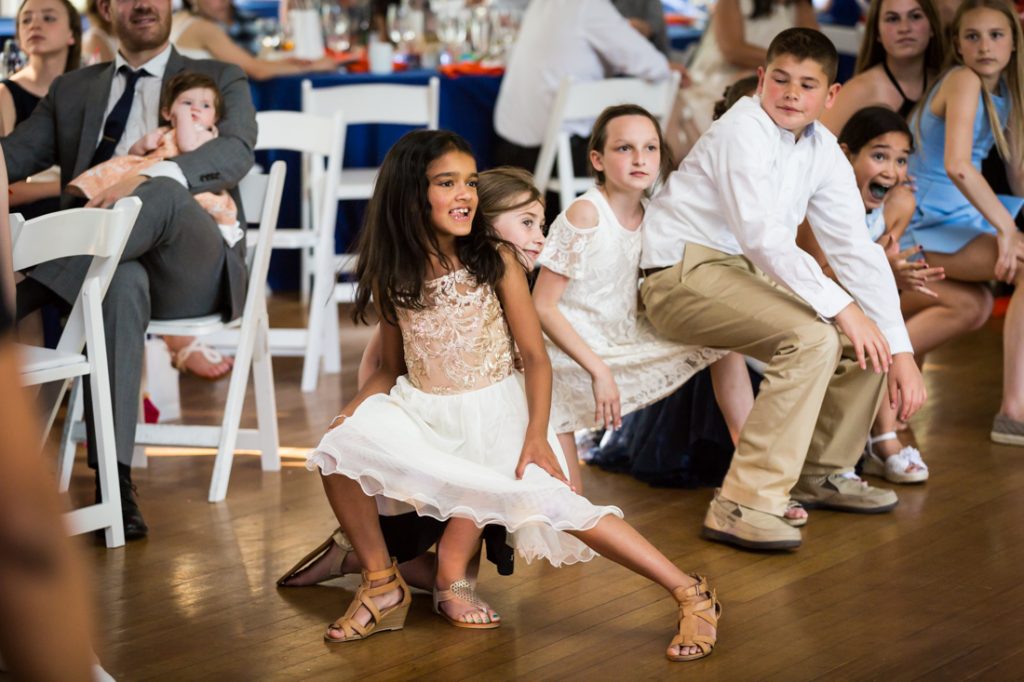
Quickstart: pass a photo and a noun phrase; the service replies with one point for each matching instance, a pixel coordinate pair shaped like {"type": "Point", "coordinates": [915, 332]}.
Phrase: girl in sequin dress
{"type": "Point", "coordinates": [446, 425]}
{"type": "Point", "coordinates": [512, 206]}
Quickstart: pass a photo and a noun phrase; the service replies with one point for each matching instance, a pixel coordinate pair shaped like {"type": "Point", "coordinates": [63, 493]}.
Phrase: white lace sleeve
{"type": "Point", "coordinates": [565, 251]}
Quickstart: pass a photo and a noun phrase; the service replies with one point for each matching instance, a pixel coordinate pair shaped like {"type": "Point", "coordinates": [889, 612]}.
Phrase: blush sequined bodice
{"type": "Point", "coordinates": [460, 341]}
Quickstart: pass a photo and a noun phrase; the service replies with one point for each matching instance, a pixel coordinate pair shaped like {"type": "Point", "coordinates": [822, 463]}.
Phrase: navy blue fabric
{"type": "Point", "coordinates": [467, 107]}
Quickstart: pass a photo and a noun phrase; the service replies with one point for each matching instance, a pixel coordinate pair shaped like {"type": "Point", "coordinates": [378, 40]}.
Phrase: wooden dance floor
{"type": "Point", "coordinates": [931, 591]}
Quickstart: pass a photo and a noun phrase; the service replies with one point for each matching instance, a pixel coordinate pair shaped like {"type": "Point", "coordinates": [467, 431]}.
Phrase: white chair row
{"type": "Point", "coordinates": [261, 201]}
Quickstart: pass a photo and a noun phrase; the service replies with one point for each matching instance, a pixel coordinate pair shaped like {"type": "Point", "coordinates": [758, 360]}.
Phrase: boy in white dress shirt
{"type": "Point", "coordinates": [723, 270]}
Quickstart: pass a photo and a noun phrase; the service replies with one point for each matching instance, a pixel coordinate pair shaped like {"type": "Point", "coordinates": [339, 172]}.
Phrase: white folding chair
{"type": "Point", "coordinates": [578, 102]}
{"type": "Point", "coordinates": [320, 139]}
{"type": "Point", "coordinates": [101, 234]}
{"type": "Point", "coordinates": [380, 103]}
{"type": "Point", "coordinates": [261, 201]}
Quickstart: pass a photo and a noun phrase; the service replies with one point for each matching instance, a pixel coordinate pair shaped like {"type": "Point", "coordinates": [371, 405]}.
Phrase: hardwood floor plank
{"type": "Point", "coordinates": [931, 591]}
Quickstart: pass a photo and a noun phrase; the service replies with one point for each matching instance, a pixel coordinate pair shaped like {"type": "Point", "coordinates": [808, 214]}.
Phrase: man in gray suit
{"type": "Point", "coordinates": [177, 263]}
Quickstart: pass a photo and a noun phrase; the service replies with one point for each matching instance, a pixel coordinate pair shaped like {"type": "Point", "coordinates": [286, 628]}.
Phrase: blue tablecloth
{"type": "Point", "coordinates": [467, 107]}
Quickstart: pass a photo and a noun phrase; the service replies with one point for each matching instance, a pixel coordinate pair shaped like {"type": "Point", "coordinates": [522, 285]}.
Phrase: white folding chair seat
{"type": "Point", "coordinates": [102, 234]}
{"type": "Point", "coordinates": [261, 201]}
{"type": "Point", "coordinates": [373, 103]}
{"type": "Point", "coordinates": [578, 102]}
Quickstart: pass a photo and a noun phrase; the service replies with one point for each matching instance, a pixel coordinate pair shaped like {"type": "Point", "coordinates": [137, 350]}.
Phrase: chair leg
{"type": "Point", "coordinates": [99, 384]}
{"type": "Point", "coordinates": [68, 446]}
{"type": "Point", "coordinates": [266, 403]}
{"type": "Point", "coordinates": [332, 339]}
{"type": "Point", "coordinates": [305, 269]}
{"type": "Point", "coordinates": [233, 412]}
{"type": "Point", "coordinates": [323, 288]}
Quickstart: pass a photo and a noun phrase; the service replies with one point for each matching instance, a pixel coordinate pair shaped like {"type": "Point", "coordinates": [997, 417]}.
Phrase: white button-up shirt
{"type": "Point", "coordinates": [585, 39]}
{"type": "Point", "coordinates": [746, 186]}
{"type": "Point", "coordinates": [145, 112]}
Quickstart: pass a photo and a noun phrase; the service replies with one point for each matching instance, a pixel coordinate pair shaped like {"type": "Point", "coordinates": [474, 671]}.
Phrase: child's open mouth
{"type": "Point", "coordinates": [878, 190]}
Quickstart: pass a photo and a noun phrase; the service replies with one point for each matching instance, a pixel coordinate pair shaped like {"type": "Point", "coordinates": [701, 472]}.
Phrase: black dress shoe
{"type": "Point", "coordinates": [135, 527]}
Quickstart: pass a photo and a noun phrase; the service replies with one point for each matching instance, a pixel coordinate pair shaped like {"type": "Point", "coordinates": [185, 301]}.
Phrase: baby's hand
{"type": "Point", "coordinates": [536, 450]}
{"type": "Point", "coordinates": [147, 142]}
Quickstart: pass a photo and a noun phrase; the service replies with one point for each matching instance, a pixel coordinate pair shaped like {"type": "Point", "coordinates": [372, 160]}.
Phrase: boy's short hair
{"type": "Point", "coordinates": [189, 80]}
{"type": "Point", "coordinates": [806, 43]}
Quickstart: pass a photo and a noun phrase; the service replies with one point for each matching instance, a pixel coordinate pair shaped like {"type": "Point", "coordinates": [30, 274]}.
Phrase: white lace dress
{"type": "Point", "coordinates": [600, 302]}
{"type": "Point", "coordinates": [447, 438]}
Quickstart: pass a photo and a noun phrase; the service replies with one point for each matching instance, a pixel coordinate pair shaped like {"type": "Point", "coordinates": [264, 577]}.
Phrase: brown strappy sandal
{"type": "Point", "coordinates": [461, 590]}
{"type": "Point", "coordinates": [338, 538]}
{"type": "Point", "coordinates": [391, 618]}
{"type": "Point", "coordinates": [696, 603]}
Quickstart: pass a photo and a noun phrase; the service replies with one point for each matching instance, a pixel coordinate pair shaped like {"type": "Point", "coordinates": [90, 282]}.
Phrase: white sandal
{"type": "Point", "coordinates": [211, 355]}
{"type": "Point", "coordinates": [906, 466]}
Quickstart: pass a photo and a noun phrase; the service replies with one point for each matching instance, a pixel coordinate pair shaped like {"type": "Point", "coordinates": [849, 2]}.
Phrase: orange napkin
{"type": "Point", "coordinates": [678, 20]}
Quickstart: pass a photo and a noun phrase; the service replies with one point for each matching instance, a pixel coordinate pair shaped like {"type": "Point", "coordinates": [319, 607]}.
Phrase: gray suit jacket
{"type": "Point", "coordinates": [65, 128]}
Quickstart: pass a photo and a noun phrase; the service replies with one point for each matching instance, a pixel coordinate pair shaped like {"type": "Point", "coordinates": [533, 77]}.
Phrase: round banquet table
{"type": "Point", "coordinates": [466, 107]}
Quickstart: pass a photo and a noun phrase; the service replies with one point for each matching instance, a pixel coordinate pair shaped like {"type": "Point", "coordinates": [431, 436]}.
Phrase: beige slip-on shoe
{"type": "Point", "coordinates": [734, 524]}
{"type": "Point", "coordinates": [845, 492]}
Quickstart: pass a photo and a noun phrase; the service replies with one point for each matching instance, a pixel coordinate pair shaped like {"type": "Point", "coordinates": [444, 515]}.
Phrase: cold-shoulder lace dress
{"type": "Point", "coordinates": [600, 302]}
{"type": "Point", "coordinates": [447, 438]}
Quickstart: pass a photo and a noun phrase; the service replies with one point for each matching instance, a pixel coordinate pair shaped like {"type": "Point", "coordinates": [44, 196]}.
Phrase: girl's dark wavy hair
{"type": "Point", "coordinates": [397, 239]}
{"type": "Point", "coordinates": [869, 123]}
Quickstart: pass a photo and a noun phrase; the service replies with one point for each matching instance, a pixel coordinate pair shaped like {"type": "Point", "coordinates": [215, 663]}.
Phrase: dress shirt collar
{"type": "Point", "coordinates": [154, 67]}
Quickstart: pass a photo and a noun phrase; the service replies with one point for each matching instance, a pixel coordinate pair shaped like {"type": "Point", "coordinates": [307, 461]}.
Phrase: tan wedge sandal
{"type": "Point", "coordinates": [461, 590]}
{"type": "Point", "coordinates": [390, 618]}
{"type": "Point", "coordinates": [696, 603]}
{"type": "Point", "coordinates": [338, 538]}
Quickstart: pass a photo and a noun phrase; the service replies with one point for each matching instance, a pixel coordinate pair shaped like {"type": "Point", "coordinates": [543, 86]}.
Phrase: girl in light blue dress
{"type": "Point", "coordinates": [962, 225]}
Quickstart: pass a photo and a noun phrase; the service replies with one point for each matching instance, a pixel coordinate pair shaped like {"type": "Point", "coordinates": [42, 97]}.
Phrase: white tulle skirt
{"type": "Point", "coordinates": [455, 456]}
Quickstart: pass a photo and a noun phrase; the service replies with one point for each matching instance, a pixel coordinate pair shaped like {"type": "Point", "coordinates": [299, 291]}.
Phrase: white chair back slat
{"type": "Point", "coordinates": [96, 232]}
{"type": "Point", "coordinates": [376, 102]}
{"type": "Point", "coordinates": [295, 131]}
{"type": "Point", "coordinates": [583, 102]}
{"type": "Point", "coordinates": [261, 197]}
{"type": "Point", "coordinates": [76, 232]}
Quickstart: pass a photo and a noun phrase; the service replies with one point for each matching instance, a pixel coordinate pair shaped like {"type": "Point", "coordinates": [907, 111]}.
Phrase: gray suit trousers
{"type": "Point", "coordinates": [173, 266]}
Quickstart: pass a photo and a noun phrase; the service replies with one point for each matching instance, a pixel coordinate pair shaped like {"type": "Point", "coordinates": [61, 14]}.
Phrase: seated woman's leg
{"type": "Point", "coordinates": [976, 263]}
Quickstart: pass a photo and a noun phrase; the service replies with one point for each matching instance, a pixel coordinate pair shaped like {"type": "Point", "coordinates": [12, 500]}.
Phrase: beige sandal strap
{"type": "Point", "coordinates": [389, 572]}
{"type": "Point", "coordinates": [346, 548]}
{"type": "Point", "coordinates": [697, 603]}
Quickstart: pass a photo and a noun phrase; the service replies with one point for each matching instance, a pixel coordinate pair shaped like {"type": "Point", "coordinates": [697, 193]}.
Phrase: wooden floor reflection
{"type": "Point", "coordinates": [931, 591]}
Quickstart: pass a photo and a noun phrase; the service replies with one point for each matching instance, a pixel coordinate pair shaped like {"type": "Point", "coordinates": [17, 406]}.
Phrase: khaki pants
{"type": "Point", "coordinates": [816, 405]}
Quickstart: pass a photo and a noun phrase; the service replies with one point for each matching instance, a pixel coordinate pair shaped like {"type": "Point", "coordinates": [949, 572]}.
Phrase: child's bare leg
{"type": "Point", "coordinates": [457, 547]}
{"type": "Point", "coordinates": [733, 392]}
{"type": "Point", "coordinates": [620, 542]}
{"type": "Point", "coordinates": [357, 514]}
{"type": "Point", "coordinates": [572, 459]}
{"type": "Point", "coordinates": [418, 572]}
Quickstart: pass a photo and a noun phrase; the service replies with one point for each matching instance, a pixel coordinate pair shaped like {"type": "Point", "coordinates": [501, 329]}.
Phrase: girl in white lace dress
{"type": "Point", "coordinates": [446, 425]}
{"type": "Point", "coordinates": [606, 358]}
